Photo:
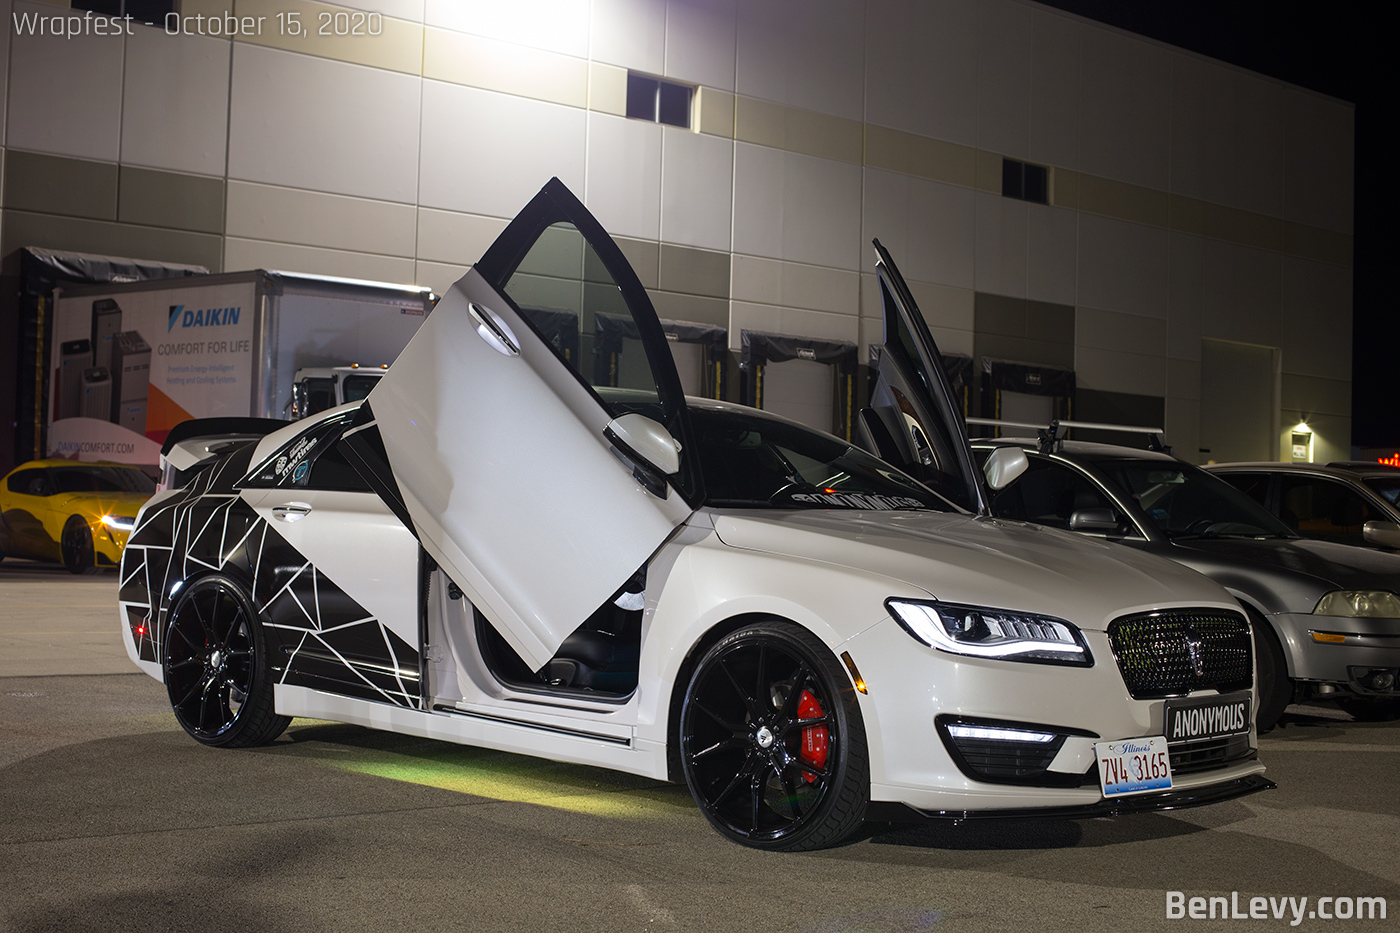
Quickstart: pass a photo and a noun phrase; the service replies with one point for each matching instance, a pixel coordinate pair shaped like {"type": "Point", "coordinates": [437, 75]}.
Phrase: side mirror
{"type": "Point", "coordinates": [647, 440]}
{"type": "Point", "coordinates": [1385, 534]}
{"type": "Point", "coordinates": [1003, 466]}
{"type": "Point", "coordinates": [1093, 520]}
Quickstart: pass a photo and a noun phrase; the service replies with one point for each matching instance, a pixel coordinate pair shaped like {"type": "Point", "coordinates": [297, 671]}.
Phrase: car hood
{"type": "Point", "coordinates": [1315, 567]}
{"type": "Point", "coordinates": [983, 561]}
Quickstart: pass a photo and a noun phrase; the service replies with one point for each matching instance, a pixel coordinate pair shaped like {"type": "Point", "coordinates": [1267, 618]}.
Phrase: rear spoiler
{"type": "Point", "coordinates": [1052, 436]}
{"type": "Point", "coordinates": [200, 441]}
{"type": "Point", "coordinates": [216, 427]}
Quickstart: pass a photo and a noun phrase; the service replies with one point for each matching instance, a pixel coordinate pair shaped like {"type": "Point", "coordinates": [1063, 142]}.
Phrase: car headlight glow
{"type": "Point", "coordinates": [1359, 604]}
{"type": "Point", "coordinates": [981, 632]}
{"type": "Point", "coordinates": [119, 522]}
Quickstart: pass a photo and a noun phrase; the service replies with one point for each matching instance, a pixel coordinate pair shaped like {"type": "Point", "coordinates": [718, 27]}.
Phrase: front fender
{"type": "Point", "coordinates": [707, 584]}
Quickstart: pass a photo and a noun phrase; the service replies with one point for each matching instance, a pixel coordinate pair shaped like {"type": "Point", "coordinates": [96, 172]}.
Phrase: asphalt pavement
{"type": "Point", "coordinates": [112, 819]}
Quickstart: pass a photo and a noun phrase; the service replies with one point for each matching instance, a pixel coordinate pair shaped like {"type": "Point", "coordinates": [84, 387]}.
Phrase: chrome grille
{"type": "Point", "coordinates": [1172, 653]}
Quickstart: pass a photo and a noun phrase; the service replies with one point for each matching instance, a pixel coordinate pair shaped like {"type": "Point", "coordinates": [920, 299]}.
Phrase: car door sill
{"type": "Point", "coordinates": [618, 739]}
{"type": "Point", "coordinates": [483, 731]}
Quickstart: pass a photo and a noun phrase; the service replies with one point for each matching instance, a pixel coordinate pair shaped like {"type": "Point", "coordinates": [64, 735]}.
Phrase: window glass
{"type": "Point", "coordinates": [101, 479]}
{"type": "Point", "coordinates": [1321, 508]}
{"type": "Point", "coordinates": [320, 395]}
{"type": "Point", "coordinates": [1184, 501]}
{"type": "Point", "coordinates": [1386, 486]}
{"type": "Point", "coordinates": [29, 483]}
{"type": "Point", "coordinates": [1049, 493]}
{"type": "Point", "coordinates": [1254, 485]}
{"type": "Point", "coordinates": [562, 275]}
{"type": "Point", "coordinates": [330, 470]}
{"type": "Point", "coordinates": [355, 387]}
{"type": "Point", "coordinates": [750, 461]}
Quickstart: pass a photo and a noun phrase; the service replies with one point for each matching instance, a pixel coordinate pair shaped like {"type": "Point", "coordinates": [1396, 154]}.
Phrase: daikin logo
{"type": "Point", "coordinates": [203, 317]}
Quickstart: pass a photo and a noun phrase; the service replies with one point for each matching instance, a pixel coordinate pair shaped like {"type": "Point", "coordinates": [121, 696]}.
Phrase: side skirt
{"type": "Point", "coordinates": [604, 751]}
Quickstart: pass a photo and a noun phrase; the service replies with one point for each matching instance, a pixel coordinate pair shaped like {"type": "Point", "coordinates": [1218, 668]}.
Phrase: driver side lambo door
{"type": "Point", "coordinates": [505, 450]}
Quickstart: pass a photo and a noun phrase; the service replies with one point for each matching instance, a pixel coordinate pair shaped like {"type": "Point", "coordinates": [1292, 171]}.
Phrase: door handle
{"type": "Point", "coordinates": [493, 330]}
{"type": "Point", "coordinates": [291, 512]}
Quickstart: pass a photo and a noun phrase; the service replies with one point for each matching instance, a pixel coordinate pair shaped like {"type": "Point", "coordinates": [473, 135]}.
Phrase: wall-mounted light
{"type": "Point", "coordinates": [1302, 442]}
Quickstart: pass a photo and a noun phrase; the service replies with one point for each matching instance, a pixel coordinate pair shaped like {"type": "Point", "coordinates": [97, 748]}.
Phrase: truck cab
{"type": "Point", "coordinates": [317, 388]}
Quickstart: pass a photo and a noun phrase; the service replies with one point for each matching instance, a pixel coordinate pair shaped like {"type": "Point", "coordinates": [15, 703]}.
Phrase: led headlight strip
{"type": "Point", "coordinates": [119, 522]}
{"type": "Point", "coordinates": [983, 632]}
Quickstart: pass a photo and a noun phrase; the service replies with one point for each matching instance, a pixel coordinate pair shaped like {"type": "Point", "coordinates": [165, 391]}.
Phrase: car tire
{"type": "Point", "coordinates": [772, 744]}
{"type": "Point", "coordinates": [214, 661]}
{"type": "Point", "coordinates": [1274, 686]}
{"type": "Point", "coordinates": [75, 544]}
{"type": "Point", "coordinates": [1370, 709]}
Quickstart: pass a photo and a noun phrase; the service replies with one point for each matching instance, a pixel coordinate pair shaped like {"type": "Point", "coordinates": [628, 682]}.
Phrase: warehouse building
{"type": "Point", "coordinates": [1103, 226]}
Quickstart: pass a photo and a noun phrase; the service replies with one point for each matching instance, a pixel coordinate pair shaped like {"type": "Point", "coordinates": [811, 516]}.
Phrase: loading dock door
{"type": "Point", "coordinates": [699, 351]}
{"type": "Point", "coordinates": [1239, 408]}
{"type": "Point", "coordinates": [803, 390]}
{"type": "Point", "coordinates": [1027, 392]}
{"type": "Point", "coordinates": [805, 378]}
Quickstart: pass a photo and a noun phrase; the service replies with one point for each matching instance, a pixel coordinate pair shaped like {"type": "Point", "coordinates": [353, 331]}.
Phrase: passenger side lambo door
{"type": "Point", "coordinates": [913, 421]}
{"type": "Point", "coordinates": [511, 466]}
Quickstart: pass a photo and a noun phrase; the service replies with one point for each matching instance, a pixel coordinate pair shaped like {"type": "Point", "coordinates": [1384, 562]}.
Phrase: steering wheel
{"type": "Point", "coordinates": [1200, 526]}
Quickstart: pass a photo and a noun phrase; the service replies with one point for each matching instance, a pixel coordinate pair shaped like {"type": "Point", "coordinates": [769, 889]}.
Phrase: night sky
{"type": "Point", "coordinates": [1345, 50]}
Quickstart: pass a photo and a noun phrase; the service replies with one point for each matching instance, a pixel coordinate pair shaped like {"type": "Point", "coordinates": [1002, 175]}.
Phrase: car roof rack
{"type": "Point", "coordinates": [1052, 436]}
{"type": "Point", "coordinates": [1363, 465]}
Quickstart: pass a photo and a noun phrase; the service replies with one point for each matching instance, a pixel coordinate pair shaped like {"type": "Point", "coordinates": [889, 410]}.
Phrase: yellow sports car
{"type": "Point", "coordinates": [77, 513]}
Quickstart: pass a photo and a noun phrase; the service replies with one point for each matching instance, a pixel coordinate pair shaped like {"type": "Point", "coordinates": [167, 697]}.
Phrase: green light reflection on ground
{"type": "Point", "coordinates": [483, 772]}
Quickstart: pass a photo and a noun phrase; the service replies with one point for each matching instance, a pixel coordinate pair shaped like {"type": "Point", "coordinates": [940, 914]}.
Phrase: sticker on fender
{"type": "Point", "coordinates": [1133, 766]}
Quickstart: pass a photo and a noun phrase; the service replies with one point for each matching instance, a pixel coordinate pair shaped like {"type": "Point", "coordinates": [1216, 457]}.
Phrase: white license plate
{"type": "Point", "coordinates": [1133, 766]}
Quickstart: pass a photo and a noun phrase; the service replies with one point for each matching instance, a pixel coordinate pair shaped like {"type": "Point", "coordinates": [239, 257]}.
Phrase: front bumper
{"type": "Point", "coordinates": [911, 764]}
{"type": "Point", "coordinates": [1368, 644]}
{"type": "Point", "coordinates": [1139, 803]}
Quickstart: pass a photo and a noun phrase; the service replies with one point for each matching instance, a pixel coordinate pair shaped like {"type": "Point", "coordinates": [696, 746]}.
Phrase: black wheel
{"type": "Point", "coordinates": [1271, 673]}
{"type": "Point", "coordinates": [76, 546]}
{"type": "Point", "coordinates": [1370, 709]}
{"type": "Point", "coordinates": [772, 744]}
{"type": "Point", "coordinates": [215, 666]}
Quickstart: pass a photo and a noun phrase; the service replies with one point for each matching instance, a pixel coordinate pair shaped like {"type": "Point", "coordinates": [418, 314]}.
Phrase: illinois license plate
{"type": "Point", "coordinates": [1133, 766]}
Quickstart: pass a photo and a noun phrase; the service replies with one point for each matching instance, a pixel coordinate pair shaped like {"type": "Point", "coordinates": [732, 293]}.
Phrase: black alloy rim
{"type": "Point", "coordinates": [76, 543]}
{"type": "Point", "coordinates": [742, 739]}
{"type": "Point", "coordinates": [209, 661]}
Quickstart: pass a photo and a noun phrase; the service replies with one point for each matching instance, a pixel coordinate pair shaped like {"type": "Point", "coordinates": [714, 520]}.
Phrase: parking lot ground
{"type": "Point", "coordinates": [112, 819]}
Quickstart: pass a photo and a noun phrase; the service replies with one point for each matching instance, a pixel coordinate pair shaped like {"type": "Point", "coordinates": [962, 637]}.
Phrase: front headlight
{"type": "Point", "coordinates": [981, 632]}
{"type": "Point", "coordinates": [1359, 604]}
{"type": "Point", "coordinates": [119, 522]}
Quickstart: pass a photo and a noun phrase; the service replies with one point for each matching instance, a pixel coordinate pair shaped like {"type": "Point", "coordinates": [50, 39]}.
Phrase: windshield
{"type": "Point", "coordinates": [1387, 486]}
{"type": "Point", "coordinates": [101, 479]}
{"type": "Point", "coordinates": [1184, 501]}
{"type": "Point", "coordinates": [757, 462]}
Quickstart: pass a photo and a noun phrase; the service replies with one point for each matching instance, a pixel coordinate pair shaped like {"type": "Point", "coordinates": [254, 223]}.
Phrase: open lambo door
{"type": "Point", "coordinates": [912, 420]}
{"type": "Point", "coordinates": [537, 481]}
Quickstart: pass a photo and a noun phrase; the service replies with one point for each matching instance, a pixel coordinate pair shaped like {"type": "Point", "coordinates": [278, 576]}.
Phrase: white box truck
{"type": "Point", "coordinates": [147, 355]}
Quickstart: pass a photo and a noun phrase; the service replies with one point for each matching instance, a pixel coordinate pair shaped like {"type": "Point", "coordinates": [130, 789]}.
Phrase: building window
{"type": "Point", "coordinates": [658, 101]}
{"type": "Point", "coordinates": [149, 12]}
{"type": "Point", "coordinates": [1025, 181]}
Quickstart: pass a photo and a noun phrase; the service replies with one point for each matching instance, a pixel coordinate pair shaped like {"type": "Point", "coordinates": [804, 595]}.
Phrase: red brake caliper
{"type": "Point", "coordinates": [814, 738]}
